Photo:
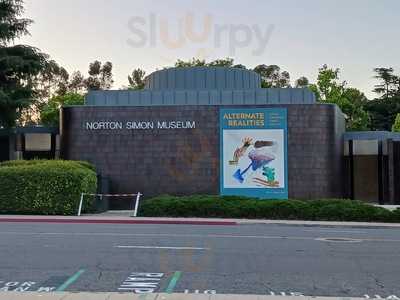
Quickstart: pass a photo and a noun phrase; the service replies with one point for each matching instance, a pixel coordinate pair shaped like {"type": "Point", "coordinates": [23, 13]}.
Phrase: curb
{"type": "Point", "coordinates": [330, 224]}
{"type": "Point", "coordinates": [187, 221]}
{"type": "Point", "coordinates": [125, 296]}
{"type": "Point", "coordinates": [116, 221]}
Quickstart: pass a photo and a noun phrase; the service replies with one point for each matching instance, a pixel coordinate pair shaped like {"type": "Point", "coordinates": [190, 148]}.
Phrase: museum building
{"type": "Point", "coordinates": [214, 130]}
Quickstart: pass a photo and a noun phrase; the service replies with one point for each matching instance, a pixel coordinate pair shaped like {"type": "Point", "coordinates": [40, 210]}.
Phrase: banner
{"type": "Point", "coordinates": [253, 152]}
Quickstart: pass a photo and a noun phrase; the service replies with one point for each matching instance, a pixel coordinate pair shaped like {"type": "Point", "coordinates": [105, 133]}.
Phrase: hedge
{"type": "Point", "coordinates": [18, 163]}
{"type": "Point", "coordinates": [45, 186]}
{"type": "Point", "coordinates": [251, 208]}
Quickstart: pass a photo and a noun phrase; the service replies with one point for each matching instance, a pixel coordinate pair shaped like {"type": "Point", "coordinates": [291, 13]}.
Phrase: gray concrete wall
{"type": "Point", "coordinates": [187, 161]}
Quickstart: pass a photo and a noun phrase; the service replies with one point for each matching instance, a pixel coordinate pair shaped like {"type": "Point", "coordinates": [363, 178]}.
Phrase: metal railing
{"type": "Point", "coordinates": [136, 207]}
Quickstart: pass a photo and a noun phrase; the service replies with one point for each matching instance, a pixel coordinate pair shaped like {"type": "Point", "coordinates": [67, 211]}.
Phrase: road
{"type": "Point", "coordinates": [243, 259]}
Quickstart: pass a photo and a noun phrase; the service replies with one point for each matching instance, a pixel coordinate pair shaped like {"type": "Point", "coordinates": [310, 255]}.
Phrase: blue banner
{"type": "Point", "coordinates": [253, 152]}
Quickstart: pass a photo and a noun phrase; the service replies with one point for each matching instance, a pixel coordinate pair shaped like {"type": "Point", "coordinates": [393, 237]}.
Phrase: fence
{"type": "Point", "coordinates": [136, 206]}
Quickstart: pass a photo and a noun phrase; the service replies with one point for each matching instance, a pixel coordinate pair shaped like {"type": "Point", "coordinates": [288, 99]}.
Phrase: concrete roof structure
{"type": "Point", "coordinates": [201, 86]}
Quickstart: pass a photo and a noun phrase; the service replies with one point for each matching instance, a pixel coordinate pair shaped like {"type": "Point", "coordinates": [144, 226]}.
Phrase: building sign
{"type": "Point", "coordinates": [134, 125]}
{"type": "Point", "coordinates": [253, 152]}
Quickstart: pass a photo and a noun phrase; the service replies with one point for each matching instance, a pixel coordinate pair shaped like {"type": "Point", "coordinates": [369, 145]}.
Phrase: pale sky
{"type": "Point", "coordinates": [299, 36]}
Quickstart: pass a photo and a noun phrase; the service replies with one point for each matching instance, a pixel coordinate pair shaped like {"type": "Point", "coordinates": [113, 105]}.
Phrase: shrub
{"type": "Point", "coordinates": [45, 186]}
{"type": "Point", "coordinates": [17, 163]}
{"type": "Point", "coordinates": [396, 125]}
{"type": "Point", "coordinates": [251, 208]}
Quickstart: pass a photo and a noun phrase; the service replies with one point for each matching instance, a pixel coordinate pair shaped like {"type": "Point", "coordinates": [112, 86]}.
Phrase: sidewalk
{"type": "Point", "coordinates": [117, 296]}
{"type": "Point", "coordinates": [117, 219]}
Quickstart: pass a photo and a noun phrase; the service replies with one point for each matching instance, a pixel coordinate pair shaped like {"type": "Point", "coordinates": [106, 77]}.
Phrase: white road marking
{"type": "Point", "coordinates": [160, 247]}
{"type": "Point", "coordinates": [181, 235]}
{"type": "Point", "coordinates": [334, 231]}
{"type": "Point", "coordinates": [141, 283]}
{"type": "Point", "coordinates": [338, 240]}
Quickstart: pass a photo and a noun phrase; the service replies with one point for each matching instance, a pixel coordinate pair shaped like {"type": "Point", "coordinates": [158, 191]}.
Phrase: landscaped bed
{"type": "Point", "coordinates": [251, 208]}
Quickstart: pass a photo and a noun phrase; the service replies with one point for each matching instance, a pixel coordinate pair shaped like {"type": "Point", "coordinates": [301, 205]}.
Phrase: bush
{"type": "Point", "coordinates": [251, 208]}
{"type": "Point", "coordinates": [17, 163]}
{"type": "Point", "coordinates": [45, 186]}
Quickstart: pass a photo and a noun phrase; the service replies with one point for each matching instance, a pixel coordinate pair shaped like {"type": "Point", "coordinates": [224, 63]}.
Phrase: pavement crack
{"type": "Point", "coordinates": [100, 270]}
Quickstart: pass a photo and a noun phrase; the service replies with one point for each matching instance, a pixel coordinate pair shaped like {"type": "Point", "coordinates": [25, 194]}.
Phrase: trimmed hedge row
{"type": "Point", "coordinates": [19, 163]}
{"type": "Point", "coordinates": [45, 186]}
{"type": "Point", "coordinates": [251, 208]}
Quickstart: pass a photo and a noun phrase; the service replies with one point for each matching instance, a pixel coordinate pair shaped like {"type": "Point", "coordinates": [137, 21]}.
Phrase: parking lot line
{"type": "Point", "coordinates": [70, 281]}
{"type": "Point", "coordinates": [173, 282]}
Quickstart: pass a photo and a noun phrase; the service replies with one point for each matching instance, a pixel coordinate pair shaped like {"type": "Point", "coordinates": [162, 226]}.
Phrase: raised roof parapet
{"type": "Point", "coordinates": [203, 78]}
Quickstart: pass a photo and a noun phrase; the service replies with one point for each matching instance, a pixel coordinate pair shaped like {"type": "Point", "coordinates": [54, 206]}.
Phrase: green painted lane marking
{"type": "Point", "coordinates": [173, 282]}
{"type": "Point", "coordinates": [70, 281]}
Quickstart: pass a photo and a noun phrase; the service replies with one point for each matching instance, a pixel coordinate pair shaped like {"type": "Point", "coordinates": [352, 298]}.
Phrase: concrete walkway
{"type": "Point", "coordinates": [118, 296]}
{"type": "Point", "coordinates": [116, 219]}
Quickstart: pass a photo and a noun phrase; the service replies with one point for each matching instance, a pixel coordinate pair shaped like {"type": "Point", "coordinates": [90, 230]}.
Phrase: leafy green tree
{"type": "Point", "coordinates": [50, 112]}
{"type": "Point", "coordinates": [329, 89]}
{"type": "Point", "coordinates": [19, 64]}
{"type": "Point", "coordinates": [302, 82]}
{"type": "Point", "coordinates": [100, 76]}
{"type": "Point", "coordinates": [240, 66]}
{"type": "Point", "coordinates": [383, 112]}
{"type": "Point", "coordinates": [225, 62]}
{"type": "Point", "coordinates": [272, 76]}
{"type": "Point", "coordinates": [77, 83]}
{"type": "Point", "coordinates": [396, 125]}
{"type": "Point", "coordinates": [52, 80]}
{"type": "Point", "coordinates": [357, 118]}
{"type": "Point", "coordinates": [195, 62]}
{"type": "Point", "coordinates": [137, 79]}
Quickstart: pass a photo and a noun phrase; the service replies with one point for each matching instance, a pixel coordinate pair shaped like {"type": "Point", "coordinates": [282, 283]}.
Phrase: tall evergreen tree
{"type": "Point", "coordinates": [19, 64]}
{"type": "Point", "coordinates": [389, 84]}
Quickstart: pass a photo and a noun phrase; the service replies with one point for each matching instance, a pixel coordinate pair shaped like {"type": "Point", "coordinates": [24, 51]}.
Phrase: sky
{"type": "Point", "coordinates": [299, 36]}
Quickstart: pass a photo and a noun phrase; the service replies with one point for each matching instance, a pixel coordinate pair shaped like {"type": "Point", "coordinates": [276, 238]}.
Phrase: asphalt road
{"type": "Point", "coordinates": [244, 259]}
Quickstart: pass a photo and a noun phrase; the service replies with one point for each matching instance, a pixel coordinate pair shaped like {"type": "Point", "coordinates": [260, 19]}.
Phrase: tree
{"type": "Point", "coordinates": [389, 85]}
{"type": "Point", "coordinates": [195, 62]}
{"type": "Point", "coordinates": [240, 66]}
{"type": "Point", "coordinates": [52, 80]}
{"type": "Point", "coordinates": [302, 82]}
{"type": "Point", "coordinates": [272, 76]}
{"type": "Point", "coordinates": [383, 113]}
{"type": "Point", "coordinates": [100, 76]}
{"type": "Point", "coordinates": [49, 113]}
{"type": "Point", "coordinates": [225, 62]}
{"type": "Point", "coordinates": [329, 89]}
{"type": "Point", "coordinates": [357, 118]}
{"type": "Point", "coordinates": [383, 110]}
{"type": "Point", "coordinates": [77, 83]}
{"type": "Point", "coordinates": [19, 64]}
{"type": "Point", "coordinates": [137, 79]}
{"type": "Point", "coordinates": [396, 125]}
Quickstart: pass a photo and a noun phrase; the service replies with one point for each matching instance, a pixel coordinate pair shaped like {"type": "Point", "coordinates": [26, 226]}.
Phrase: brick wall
{"type": "Point", "coordinates": [186, 161]}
